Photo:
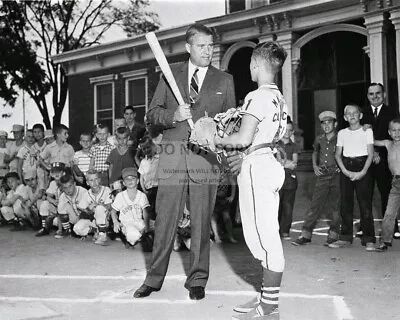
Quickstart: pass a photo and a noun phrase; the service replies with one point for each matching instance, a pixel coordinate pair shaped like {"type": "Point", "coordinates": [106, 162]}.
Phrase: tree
{"type": "Point", "coordinates": [33, 31]}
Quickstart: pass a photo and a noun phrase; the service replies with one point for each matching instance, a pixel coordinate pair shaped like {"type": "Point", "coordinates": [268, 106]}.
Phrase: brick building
{"type": "Point", "coordinates": [335, 48]}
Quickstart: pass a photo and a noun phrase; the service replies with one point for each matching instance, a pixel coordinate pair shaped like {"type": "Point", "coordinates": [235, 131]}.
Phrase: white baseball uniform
{"type": "Point", "coordinates": [262, 176]}
{"type": "Point", "coordinates": [101, 200]}
{"type": "Point", "coordinates": [46, 208]}
{"type": "Point", "coordinates": [69, 204]}
{"type": "Point", "coordinates": [131, 214]}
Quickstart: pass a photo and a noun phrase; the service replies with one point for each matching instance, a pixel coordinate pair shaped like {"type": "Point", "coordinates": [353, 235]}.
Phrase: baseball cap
{"type": "Point", "coordinates": [3, 133]}
{"type": "Point", "coordinates": [17, 128]}
{"type": "Point", "coordinates": [327, 115]}
{"type": "Point", "coordinates": [57, 166]}
{"type": "Point", "coordinates": [131, 171]}
{"type": "Point", "coordinates": [29, 174]}
{"type": "Point", "coordinates": [48, 134]}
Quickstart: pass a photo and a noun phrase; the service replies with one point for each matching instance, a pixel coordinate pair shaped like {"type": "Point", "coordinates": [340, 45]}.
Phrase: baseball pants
{"type": "Point", "coordinates": [83, 226]}
{"type": "Point", "coordinates": [133, 230]}
{"type": "Point", "coordinates": [259, 182]}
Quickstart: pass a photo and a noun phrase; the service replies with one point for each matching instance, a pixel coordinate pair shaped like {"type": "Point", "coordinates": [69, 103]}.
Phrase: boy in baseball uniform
{"type": "Point", "coordinates": [132, 205]}
{"type": "Point", "coordinates": [95, 207]}
{"type": "Point", "coordinates": [35, 191]}
{"type": "Point", "coordinates": [261, 176]}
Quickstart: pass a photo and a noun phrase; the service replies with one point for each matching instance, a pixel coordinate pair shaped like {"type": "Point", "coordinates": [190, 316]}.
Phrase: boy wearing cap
{"type": "Point", "coordinates": [13, 147]}
{"type": "Point", "coordinates": [35, 193]}
{"type": "Point", "coordinates": [48, 208]}
{"type": "Point", "coordinates": [3, 150]}
{"type": "Point", "coordinates": [96, 204]}
{"type": "Point", "coordinates": [13, 206]}
{"type": "Point", "coordinates": [26, 156]}
{"type": "Point", "coordinates": [132, 205]}
{"type": "Point", "coordinates": [327, 187]}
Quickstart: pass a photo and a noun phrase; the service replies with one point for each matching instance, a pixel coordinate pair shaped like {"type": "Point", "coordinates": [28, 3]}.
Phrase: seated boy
{"type": "Point", "coordinates": [132, 204]}
{"type": "Point", "coordinates": [67, 209]}
{"type": "Point", "coordinates": [97, 205]}
{"type": "Point", "coordinates": [35, 193]}
{"type": "Point", "coordinates": [13, 206]}
{"type": "Point", "coordinates": [48, 207]}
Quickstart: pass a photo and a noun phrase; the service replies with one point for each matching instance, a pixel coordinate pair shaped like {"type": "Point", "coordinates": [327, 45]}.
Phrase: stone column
{"type": "Point", "coordinates": [376, 25]}
{"type": "Point", "coordinates": [289, 77]}
{"type": "Point", "coordinates": [395, 17]}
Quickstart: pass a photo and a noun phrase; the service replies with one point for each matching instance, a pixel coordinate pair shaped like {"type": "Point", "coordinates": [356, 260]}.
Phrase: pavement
{"type": "Point", "coordinates": [46, 278]}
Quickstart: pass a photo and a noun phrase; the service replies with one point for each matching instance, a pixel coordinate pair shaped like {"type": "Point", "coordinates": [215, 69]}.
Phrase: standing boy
{"type": "Point", "coordinates": [393, 205]}
{"type": "Point", "coordinates": [82, 158]}
{"type": "Point", "coordinates": [26, 156]}
{"type": "Point", "coordinates": [14, 146]}
{"type": "Point", "coordinates": [3, 150]}
{"type": "Point", "coordinates": [327, 188]}
{"type": "Point", "coordinates": [354, 153]}
{"type": "Point", "coordinates": [261, 176]}
{"type": "Point", "coordinates": [38, 147]}
{"type": "Point", "coordinates": [99, 154]}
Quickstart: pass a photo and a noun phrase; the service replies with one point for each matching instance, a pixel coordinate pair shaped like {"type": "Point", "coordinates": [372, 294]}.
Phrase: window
{"type": "Point", "coordinates": [136, 95]}
{"type": "Point", "coordinates": [104, 104]}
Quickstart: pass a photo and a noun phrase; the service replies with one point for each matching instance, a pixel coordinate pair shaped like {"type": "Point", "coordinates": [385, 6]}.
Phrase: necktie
{"type": "Point", "coordinates": [194, 87]}
{"type": "Point", "coordinates": [375, 112]}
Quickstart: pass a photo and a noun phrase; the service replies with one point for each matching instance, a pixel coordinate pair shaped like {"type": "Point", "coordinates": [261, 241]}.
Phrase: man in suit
{"type": "Point", "coordinates": [378, 115]}
{"type": "Point", "coordinates": [187, 173]}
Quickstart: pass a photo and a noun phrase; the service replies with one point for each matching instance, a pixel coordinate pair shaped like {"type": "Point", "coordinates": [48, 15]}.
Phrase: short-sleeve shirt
{"type": "Point", "coordinates": [82, 160]}
{"type": "Point", "coordinates": [290, 148]}
{"type": "Point", "coordinates": [55, 153]}
{"type": "Point", "coordinates": [268, 106]}
{"type": "Point", "coordinates": [355, 142]}
{"type": "Point", "coordinates": [32, 194]}
{"type": "Point", "coordinates": [130, 210]}
{"type": "Point", "coordinates": [54, 190]}
{"type": "Point", "coordinates": [12, 148]}
{"type": "Point", "coordinates": [148, 169]}
{"type": "Point", "coordinates": [100, 154]}
{"type": "Point", "coordinates": [21, 191]}
{"type": "Point", "coordinates": [73, 201]}
{"type": "Point", "coordinates": [103, 197]}
{"type": "Point", "coordinates": [120, 162]}
{"type": "Point", "coordinates": [28, 157]}
{"type": "Point", "coordinates": [326, 150]}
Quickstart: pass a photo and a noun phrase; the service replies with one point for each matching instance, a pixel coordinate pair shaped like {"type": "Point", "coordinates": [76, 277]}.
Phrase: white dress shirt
{"type": "Point", "coordinates": [201, 74]}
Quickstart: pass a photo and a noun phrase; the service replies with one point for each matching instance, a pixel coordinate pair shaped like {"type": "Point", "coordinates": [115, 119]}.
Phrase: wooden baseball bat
{"type": "Point", "coordinates": [166, 70]}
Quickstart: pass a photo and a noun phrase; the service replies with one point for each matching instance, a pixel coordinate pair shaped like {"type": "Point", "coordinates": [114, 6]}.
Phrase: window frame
{"type": "Point", "coordinates": [132, 76]}
{"type": "Point", "coordinates": [99, 81]}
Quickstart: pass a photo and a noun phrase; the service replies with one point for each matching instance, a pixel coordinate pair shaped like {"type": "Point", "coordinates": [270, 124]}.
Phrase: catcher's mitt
{"type": "Point", "coordinates": [203, 134]}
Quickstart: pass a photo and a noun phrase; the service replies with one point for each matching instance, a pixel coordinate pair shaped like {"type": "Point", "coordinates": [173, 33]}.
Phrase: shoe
{"type": "Point", "coordinates": [102, 239]}
{"type": "Point", "coordinates": [248, 306]}
{"type": "Point", "coordinates": [340, 244]}
{"type": "Point", "coordinates": [144, 291]}
{"type": "Point", "coordinates": [300, 241]}
{"type": "Point", "coordinates": [258, 313]}
{"type": "Point", "coordinates": [196, 293]}
{"type": "Point", "coordinates": [383, 247]}
{"type": "Point", "coordinates": [359, 234]}
{"type": "Point", "coordinates": [286, 236]}
{"type": "Point", "coordinates": [62, 234]}
{"type": "Point", "coordinates": [42, 232]}
{"type": "Point", "coordinates": [369, 246]}
{"type": "Point", "coordinates": [329, 241]}
{"type": "Point", "coordinates": [396, 235]}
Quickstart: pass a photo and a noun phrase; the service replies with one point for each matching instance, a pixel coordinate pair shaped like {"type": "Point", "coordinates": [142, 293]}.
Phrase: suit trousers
{"type": "Point", "coordinates": [172, 195]}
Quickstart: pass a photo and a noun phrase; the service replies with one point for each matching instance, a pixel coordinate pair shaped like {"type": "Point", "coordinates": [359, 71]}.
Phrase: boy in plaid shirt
{"type": "Point", "coordinates": [99, 154]}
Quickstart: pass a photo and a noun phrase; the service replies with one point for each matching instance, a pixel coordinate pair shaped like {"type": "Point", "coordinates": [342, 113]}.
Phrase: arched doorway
{"type": "Point", "coordinates": [236, 61]}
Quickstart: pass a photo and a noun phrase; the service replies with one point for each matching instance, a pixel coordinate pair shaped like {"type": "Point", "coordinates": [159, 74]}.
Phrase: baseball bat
{"type": "Point", "coordinates": [166, 70]}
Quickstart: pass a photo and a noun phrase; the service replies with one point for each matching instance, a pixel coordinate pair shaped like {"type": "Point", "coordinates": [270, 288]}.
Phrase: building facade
{"type": "Point", "coordinates": [335, 48]}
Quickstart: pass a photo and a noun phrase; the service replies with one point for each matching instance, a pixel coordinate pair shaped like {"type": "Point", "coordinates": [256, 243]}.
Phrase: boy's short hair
{"type": "Point", "coordinates": [86, 134]}
{"type": "Point", "coordinates": [395, 120]}
{"type": "Point", "coordinates": [352, 105]}
{"type": "Point", "coordinates": [92, 172]}
{"type": "Point", "coordinates": [66, 178]}
{"type": "Point", "coordinates": [60, 128]}
{"type": "Point", "coordinates": [195, 29]}
{"type": "Point", "coordinates": [129, 107]}
{"type": "Point", "coordinates": [38, 126]}
{"type": "Point", "coordinates": [272, 53]}
{"type": "Point", "coordinates": [101, 126]}
{"type": "Point", "coordinates": [122, 131]}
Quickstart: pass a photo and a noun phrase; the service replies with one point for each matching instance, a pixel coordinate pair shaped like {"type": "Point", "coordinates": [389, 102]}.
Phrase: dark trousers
{"type": "Point", "coordinates": [326, 194]}
{"type": "Point", "coordinates": [172, 195]}
{"type": "Point", "coordinates": [382, 176]}
{"type": "Point", "coordinates": [362, 188]}
{"type": "Point", "coordinates": [287, 196]}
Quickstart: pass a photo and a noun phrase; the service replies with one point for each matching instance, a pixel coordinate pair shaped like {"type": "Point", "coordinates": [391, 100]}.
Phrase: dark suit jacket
{"type": "Point", "coordinates": [216, 95]}
{"type": "Point", "coordinates": [380, 125]}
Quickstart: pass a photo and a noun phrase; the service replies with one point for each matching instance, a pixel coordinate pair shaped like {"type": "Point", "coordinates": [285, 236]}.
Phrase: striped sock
{"type": "Point", "coordinates": [270, 295]}
{"type": "Point", "coordinates": [43, 222]}
{"type": "Point", "coordinates": [270, 292]}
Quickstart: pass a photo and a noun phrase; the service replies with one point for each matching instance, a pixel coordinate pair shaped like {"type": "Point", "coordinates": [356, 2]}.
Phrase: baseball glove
{"type": "Point", "coordinates": [203, 134]}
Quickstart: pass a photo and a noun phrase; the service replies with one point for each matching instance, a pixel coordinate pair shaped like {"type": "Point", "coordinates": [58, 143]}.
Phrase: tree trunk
{"type": "Point", "coordinates": [57, 117]}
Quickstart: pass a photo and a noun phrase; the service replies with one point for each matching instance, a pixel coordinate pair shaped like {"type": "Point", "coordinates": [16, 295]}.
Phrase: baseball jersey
{"type": "Point", "coordinates": [54, 190]}
{"type": "Point", "coordinates": [268, 106]}
{"type": "Point", "coordinates": [103, 197]}
{"type": "Point", "coordinates": [73, 201]}
{"type": "Point", "coordinates": [20, 191]}
{"type": "Point", "coordinates": [148, 169]}
{"type": "Point", "coordinates": [130, 210]}
{"type": "Point", "coordinates": [28, 157]}
{"type": "Point", "coordinates": [355, 142]}
{"type": "Point", "coordinates": [32, 194]}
